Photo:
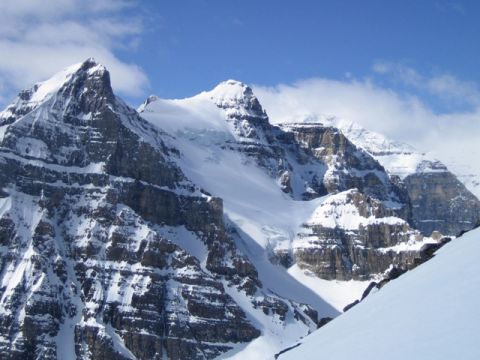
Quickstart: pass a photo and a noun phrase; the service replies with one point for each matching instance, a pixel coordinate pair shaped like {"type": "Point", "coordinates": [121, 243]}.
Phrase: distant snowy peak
{"type": "Point", "coordinates": [148, 101]}
{"type": "Point", "coordinates": [397, 158]}
{"type": "Point", "coordinates": [230, 90]}
{"type": "Point", "coordinates": [466, 175]}
{"type": "Point", "coordinates": [373, 142]}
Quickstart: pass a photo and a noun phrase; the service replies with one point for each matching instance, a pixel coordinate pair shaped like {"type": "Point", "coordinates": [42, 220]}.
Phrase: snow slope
{"type": "Point", "coordinates": [430, 312]}
{"type": "Point", "coordinates": [254, 204]}
{"type": "Point", "coordinates": [337, 293]}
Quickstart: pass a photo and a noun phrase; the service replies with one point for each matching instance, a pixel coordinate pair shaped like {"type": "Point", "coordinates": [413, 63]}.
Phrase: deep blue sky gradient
{"type": "Point", "coordinates": [190, 45]}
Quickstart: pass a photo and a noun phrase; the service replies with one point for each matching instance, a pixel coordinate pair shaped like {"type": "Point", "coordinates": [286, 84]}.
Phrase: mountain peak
{"type": "Point", "coordinates": [149, 100]}
{"type": "Point", "coordinates": [236, 98]}
{"type": "Point", "coordinates": [29, 99]}
{"type": "Point", "coordinates": [43, 90]}
{"type": "Point", "coordinates": [89, 63]}
{"type": "Point", "coordinates": [231, 90]}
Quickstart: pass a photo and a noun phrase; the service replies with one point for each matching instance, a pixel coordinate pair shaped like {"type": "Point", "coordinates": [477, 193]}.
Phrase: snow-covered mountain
{"type": "Point", "coordinates": [194, 228]}
{"type": "Point", "coordinates": [402, 159]}
{"type": "Point", "coordinates": [418, 171]}
{"type": "Point", "coordinates": [229, 147]}
{"type": "Point", "coordinates": [108, 250]}
{"type": "Point", "coordinates": [429, 313]}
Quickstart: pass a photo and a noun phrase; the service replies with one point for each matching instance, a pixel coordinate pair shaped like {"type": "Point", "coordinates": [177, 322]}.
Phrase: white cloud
{"type": "Point", "coordinates": [450, 136]}
{"type": "Point", "coordinates": [40, 37]}
{"type": "Point", "coordinates": [445, 86]}
{"type": "Point", "coordinates": [375, 108]}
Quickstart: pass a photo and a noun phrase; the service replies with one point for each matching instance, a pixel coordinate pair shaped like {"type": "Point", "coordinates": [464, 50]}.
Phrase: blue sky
{"type": "Point", "coordinates": [178, 48]}
{"type": "Point", "coordinates": [192, 44]}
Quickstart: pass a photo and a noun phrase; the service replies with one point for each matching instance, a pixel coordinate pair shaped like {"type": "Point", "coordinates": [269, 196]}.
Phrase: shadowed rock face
{"type": "Point", "coordinates": [90, 205]}
{"type": "Point", "coordinates": [348, 166]}
{"type": "Point", "coordinates": [440, 202]}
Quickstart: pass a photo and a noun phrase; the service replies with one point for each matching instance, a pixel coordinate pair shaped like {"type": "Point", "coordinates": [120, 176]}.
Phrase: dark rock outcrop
{"type": "Point", "coordinates": [353, 236]}
{"type": "Point", "coordinates": [440, 202]}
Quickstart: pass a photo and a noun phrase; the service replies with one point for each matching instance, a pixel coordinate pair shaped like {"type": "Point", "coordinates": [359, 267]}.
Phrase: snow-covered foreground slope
{"type": "Point", "coordinates": [430, 312]}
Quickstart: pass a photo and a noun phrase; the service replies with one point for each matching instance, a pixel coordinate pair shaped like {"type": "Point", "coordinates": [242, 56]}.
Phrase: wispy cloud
{"type": "Point", "coordinates": [39, 37]}
{"type": "Point", "coordinates": [402, 116]}
{"type": "Point", "coordinates": [445, 86]}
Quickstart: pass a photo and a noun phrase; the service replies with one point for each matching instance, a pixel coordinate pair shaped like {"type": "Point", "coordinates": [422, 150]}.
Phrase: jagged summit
{"type": "Point", "coordinates": [231, 89]}
{"type": "Point", "coordinates": [236, 98]}
{"type": "Point", "coordinates": [108, 250]}
{"type": "Point", "coordinates": [77, 75]}
{"type": "Point", "coordinates": [74, 119]}
{"type": "Point", "coordinates": [230, 110]}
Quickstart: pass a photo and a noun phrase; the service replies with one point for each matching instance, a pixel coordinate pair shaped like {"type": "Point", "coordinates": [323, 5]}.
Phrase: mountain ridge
{"type": "Point", "coordinates": [186, 230]}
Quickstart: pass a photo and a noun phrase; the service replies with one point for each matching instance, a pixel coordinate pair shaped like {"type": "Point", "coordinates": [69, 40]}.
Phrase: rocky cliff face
{"type": "Point", "coordinates": [354, 236]}
{"type": "Point", "coordinates": [107, 250]}
{"type": "Point", "coordinates": [348, 166]}
{"type": "Point", "coordinates": [440, 202]}
{"type": "Point", "coordinates": [427, 199]}
{"type": "Point", "coordinates": [433, 192]}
